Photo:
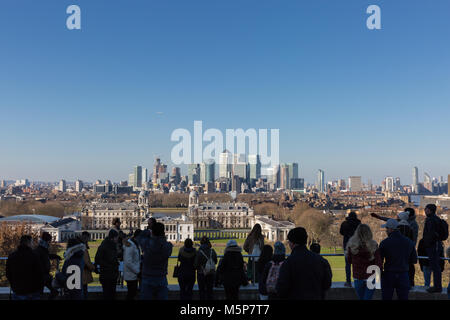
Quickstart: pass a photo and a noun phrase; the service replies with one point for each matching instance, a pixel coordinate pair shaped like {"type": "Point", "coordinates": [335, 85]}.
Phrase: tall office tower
{"type": "Point", "coordinates": [194, 173]}
{"type": "Point", "coordinates": [225, 164]}
{"type": "Point", "coordinates": [293, 170]}
{"type": "Point", "coordinates": [98, 182]}
{"type": "Point", "coordinates": [236, 184]}
{"type": "Point", "coordinates": [240, 166]}
{"type": "Point", "coordinates": [355, 184]}
{"type": "Point", "coordinates": [398, 184]}
{"type": "Point", "coordinates": [207, 172]}
{"type": "Point", "coordinates": [255, 166]}
{"type": "Point", "coordinates": [156, 169]}
{"type": "Point", "coordinates": [176, 174]}
{"type": "Point", "coordinates": [448, 185]}
{"type": "Point", "coordinates": [415, 185]}
{"type": "Point", "coordinates": [341, 184]}
{"type": "Point", "coordinates": [427, 183]}
{"type": "Point", "coordinates": [62, 185]}
{"type": "Point", "coordinates": [389, 184]}
{"type": "Point", "coordinates": [321, 181]}
{"type": "Point", "coordinates": [284, 177]}
{"type": "Point", "coordinates": [131, 180]}
{"type": "Point", "coordinates": [144, 176]}
{"type": "Point", "coordinates": [78, 186]}
{"type": "Point", "coordinates": [3, 184]}
{"type": "Point", "coordinates": [276, 176]}
{"type": "Point", "coordinates": [137, 176]}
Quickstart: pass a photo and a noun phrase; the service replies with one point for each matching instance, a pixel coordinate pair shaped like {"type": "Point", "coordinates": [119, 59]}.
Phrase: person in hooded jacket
{"type": "Point", "coordinates": [231, 270]}
{"type": "Point", "coordinates": [74, 256]}
{"type": "Point", "coordinates": [131, 266]}
{"type": "Point", "coordinates": [157, 251]}
{"type": "Point", "coordinates": [205, 281]}
{"type": "Point", "coordinates": [347, 230]}
{"type": "Point", "coordinates": [264, 258]}
{"type": "Point", "coordinates": [45, 257]}
{"type": "Point", "coordinates": [278, 257]}
{"type": "Point", "coordinates": [107, 259]}
{"type": "Point", "coordinates": [186, 276]}
{"type": "Point", "coordinates": [24, 271]}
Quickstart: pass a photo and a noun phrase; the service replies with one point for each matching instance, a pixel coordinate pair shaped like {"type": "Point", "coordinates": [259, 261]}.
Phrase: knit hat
{"type": "Point", "coordinates": [403, 215]}
{"type": "Point", "coordinates": [279, 248]}
{"type": "Point", "coordinates": [390, 224]}
{"type": "Point", "coordinates": [298, 235]}
{"type": "Point", "coordinates": [232, 243]}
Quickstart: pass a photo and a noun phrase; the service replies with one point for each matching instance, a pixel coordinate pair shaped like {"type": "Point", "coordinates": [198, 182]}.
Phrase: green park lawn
{"type": "Point", "coordinates": [337, 263]}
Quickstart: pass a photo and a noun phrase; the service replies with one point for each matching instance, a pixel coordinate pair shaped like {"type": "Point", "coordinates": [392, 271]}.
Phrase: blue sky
{"type": "Point", "coordinates": [351, 101]}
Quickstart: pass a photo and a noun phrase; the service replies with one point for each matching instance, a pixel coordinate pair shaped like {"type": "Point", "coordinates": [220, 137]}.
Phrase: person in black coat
{"type": "Point", "coordinates": [108, 261]}
{"type": "Point", "coordinates": [433, 246]}
{"type": "Point", "coordinates": [74, 256]}
{"type": "Point", "coordinates": [24, 271]}
{"type": "Point", "coordinates": [347, 230]}
{"type": "Point", "coordinates": [45, 257]}
{"type": "Point", "coordinates": [186, 276]}
{"type": "Point", "coordinates": [303, 276]}
{"type": "Point", "coordinates": [231, 270]}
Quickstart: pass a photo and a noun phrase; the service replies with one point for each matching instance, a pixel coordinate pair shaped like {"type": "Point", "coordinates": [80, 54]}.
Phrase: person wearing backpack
{"type": "Point", "coordinates": [231, 270]}
{"type": "Point", "coordinates": [269, 277]}
{"type": "Point", "coordinates": [434, 232]}
{"type": "Point", "coordinates": [264, 258]}
{"type": "Point", "coordinates": [205, 263]}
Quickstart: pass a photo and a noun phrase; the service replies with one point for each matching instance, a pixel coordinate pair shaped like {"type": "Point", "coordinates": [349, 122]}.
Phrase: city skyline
{"type": "Point", "coordinates": [93, 103]}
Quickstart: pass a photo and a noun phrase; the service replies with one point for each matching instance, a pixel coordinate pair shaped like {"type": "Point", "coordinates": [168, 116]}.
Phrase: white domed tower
{"type": "Point", "coordinates": [193, 199]}
{"type": "Point", "coordinates": [143, 199]}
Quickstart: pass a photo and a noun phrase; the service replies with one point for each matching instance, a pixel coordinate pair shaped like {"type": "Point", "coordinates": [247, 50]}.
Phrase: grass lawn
{"type": "Point", "coordinates": [337, 263]}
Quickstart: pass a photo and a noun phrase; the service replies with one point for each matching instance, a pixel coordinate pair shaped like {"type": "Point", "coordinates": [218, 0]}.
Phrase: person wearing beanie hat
{"type": "Point", "coordinates": [398, 253]}
{"type": "Point", "coordinates": [231, 270]}
{"type": "Point", "coordinates": [303, 276]}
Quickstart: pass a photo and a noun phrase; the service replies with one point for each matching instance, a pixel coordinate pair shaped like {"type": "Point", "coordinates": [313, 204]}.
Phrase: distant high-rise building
{"type": "Point", "coordinates": [448, 185]}
{"type": "Point", "coordinates": [3, 184]}
{"type": "Point", "coordinates": [176, 175]}
{"type": "Point", "coordinates": [236, 184]}
{"type": "Point", "coordinates": [207, 172]}
{"type": "Point", "coordinates": [284, 177]}
{"type": "Point", "coordinates": [239, 167]}
{"type": "Point", "coordinates": [225, 164]}
{"type": "Point", "coordinates": [276, 176]}
{"type": "Point", "coordinates": [62, 185]}
{"type": "Point", "coordinates": [144, 176]}
{"type": "Point", "coordinates": [131, 180]}
{"type": "Point", "coordinates": [137, 177]}
{"type": "Point", "coordinates": [369, 184]}
{"type": "Point", "coordinates": [293, 170]}
{"type": "Point", "coordinates": [194, 173]}
{"type": "Point", "coordinates": [321, 181]}
{"type": "Point", "coordinates": [415, 185]}
{"type": "Point", "coordinates": [389, 184]}
{"type": "Point", "coordinates": [355, 184]}
{"type": "Point", "coordinates": [78, 186]}
{"type": "Point", "coordinates": [341, 184]}
{"type": "Point", "coordinates": [255, 167]}
{"type": "Point", "coordinates": [398, 184]}
{"type": "Point", "coordinates": [427, 182]}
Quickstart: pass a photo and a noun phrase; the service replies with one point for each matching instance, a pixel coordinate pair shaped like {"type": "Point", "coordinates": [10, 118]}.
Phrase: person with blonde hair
{"type": "Point", "coordinates": [253, 245]}
{"type": "Point", "coordinates": [361, 252]}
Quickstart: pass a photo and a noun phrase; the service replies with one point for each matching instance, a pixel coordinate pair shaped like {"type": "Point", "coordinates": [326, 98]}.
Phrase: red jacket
{"type": "Point", "coordinates": [361, 261]}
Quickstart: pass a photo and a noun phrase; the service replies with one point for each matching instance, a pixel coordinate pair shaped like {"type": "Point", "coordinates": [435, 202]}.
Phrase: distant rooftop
{"type": "Point", "coordinates": [33, 218]}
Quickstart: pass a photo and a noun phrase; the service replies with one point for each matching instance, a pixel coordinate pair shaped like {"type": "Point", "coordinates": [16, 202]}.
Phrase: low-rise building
{"type": "Point", "coordinates": [274, 230]}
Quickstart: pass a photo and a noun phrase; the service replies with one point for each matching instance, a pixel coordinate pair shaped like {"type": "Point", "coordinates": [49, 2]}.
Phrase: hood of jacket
{"type": "Point", "coordinates": [73, 250]}
{"type": "Point", "coordinates": [187, 252]}
{"type": "Point", "coordinates": [233, 249]}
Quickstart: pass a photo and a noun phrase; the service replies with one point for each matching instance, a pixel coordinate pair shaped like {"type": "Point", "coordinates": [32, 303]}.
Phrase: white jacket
{"type": "Point", "coordinates": [131, 261]}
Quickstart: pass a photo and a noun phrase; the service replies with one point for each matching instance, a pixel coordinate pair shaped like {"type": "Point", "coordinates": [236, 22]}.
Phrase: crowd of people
{"type": "Point", "coordinates": [304, 274]}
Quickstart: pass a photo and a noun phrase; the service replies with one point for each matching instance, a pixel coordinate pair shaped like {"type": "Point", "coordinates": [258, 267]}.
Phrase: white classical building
{"type": "Point", "coordinates": [274, 230]}
{"type": "Point", "coordinates": [176, 229]}
{"type": "Point", "coordinates": [99, 215]}
{"type": "Point", "coordinates": [63, 229]}
{"type": "Point", "coordinates": [212, 215]}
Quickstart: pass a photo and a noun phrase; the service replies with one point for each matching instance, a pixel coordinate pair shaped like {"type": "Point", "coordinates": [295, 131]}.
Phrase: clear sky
{"type": "Point", "coordinates": [92, 103]}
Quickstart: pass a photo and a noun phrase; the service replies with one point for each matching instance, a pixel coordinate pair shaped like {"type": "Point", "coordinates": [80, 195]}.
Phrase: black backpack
{"type": "Point", "coordinates": [442, 230]}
